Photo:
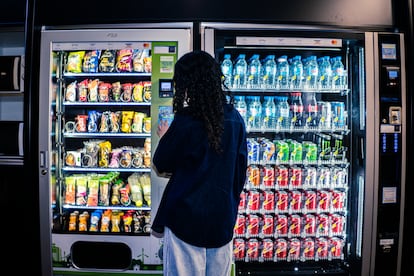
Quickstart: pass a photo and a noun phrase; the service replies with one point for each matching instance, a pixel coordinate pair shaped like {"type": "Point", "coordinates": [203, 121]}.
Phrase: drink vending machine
{"type": "Point", "coordinates": [325, 115]}
{"type": "Point", "coordinates": [102, 91]}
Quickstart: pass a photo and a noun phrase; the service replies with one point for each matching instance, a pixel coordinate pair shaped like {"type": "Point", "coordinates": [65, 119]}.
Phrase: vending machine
{"type": "Point", "coordinates": [102, 90]}
{"type": "Point", "coordinates": [325, 115]}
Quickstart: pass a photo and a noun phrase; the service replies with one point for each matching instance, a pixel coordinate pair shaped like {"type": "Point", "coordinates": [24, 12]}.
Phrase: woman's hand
{"type": "Point", "coordinates": [162, 128]}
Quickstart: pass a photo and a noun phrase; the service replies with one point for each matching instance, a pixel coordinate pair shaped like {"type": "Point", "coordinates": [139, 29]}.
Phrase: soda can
{"type": "Point", "coordinates": [324, 177]}
{"type": "Point", "coordinates": [268, 176]}
{"type": "Point", "coordinates": [268, 225]}
{"type": "Point", "coordinates": [282, 225]}
{"type": "Point", "coordinates": [253, 200]}
{"type": "Point", "coordinates": [325, 115]}
{"type": "Point", "coordinates": [309, 177]}
{"type": "Point", "coordinates": [338, 200]}
{"type": "Point", "coordinates": [295, 225]}
{"type": "Point", "coordinates": [243, 201]}
{"type": "Point", "coordinates": [268, 200]}
{"type": "Point", "coordinates": [268, 151]}
{"type": "Point", "coordinates": [308, 249]}
{"type": "Point", "coordinates": [295, 177]}
{"type": "Point", "coordinates": [337, 223]}
{"type": "Point", "coordinates": [322, 248]}
{"type": "Point", "coordinates": [294, 249]}
{"type": "Point", "coordinates": [282, 151]}
{"type": "Point", "coordinates": [339, 177]}
{"type": "Point", "coordinates": [281, 176]}
{"type": "Point", "coordinates": [310, 150]}
{"type": "Point", "coordinates": [335, 247]}
{"type": "Point", "coordinates": [240, 226]}
{"type": "Point", "coordinates": [253, 249]}
{"type": "Point", "coordinates": [323, 225]}
{"type": "Point", "coordinates": [324, 200]}
{"type": "Point", "coordinates": [338, 114]}
{"type": "Point", "coordinates": [281, 249]}
{"type": "Point", "coordinates": [296, 152]}
{"type": "Point", "coordinates": [253, 224]}
{"type": "Point", "coordinates": [309, 226]}
{"type": "Point", "coordinates": [253, 176]}
{"type": "Point", "coordinates": [295, 201]}
{"type": "Point", "coordinates": [267, 249]}
{"type": "Point", "coordinates": [282, 204]}
{"type": "Point", "coordinates": [253, 151]}
{"type": "Point", "coordinates": [239, 249]}
{"type": "Point", "coordinates": [310, 201]}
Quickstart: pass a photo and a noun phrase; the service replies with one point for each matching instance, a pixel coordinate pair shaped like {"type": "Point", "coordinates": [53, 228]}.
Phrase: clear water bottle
{"type": "Point", "coordinates": [254, 113]}
{"type": "Point", "coordinates": [283, 71]}
{"type": "Point", "coordinates": [296, 72]}
{"type": "Point", "coordinates": [296, 109]}
{"type": "Point", "coordinates": [338, 73]}
{"type": "Point", "coordinates": [227, 70]}
{"type": "Point", "coordinates": [241, 106]}
{"type": "Point", "coordinates": [254, 71]}
{"type": "Point", "coordinates": [240, 72]}
{"type": "Point", "coordinates": [325, 72]}
{"type": "Point", "coordinates": [269, 72]}
{"type": "Point", "coordinates": [268, 113]}
{"type": "Point", "coordinates": [311, 116]}
{"type": "Point", "coordinates": [283, 112]}
{"type": "Point", "coordinates": [311, 73]}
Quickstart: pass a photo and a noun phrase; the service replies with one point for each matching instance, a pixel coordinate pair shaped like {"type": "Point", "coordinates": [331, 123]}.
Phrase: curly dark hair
{"type": "Point", "coordinates": [198, 82]}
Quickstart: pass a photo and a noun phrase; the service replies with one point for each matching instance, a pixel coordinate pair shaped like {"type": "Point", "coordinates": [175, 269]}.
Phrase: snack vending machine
{"type": "Point", "coordinates": [102, 90]}
{"type": "Point", "coordinates": [325, 115]}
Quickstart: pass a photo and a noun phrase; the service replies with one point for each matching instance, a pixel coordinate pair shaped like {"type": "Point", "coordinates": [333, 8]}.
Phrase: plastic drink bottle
{"type": "Point", "coordinates": [269, 113]}
{"type": "Point", "coordinates": [338, 72]}
{"type": "Point", "coordinates": [227, 70]}
{"type": "Point", "coordinates": [311, 109]}
{"type": "Point", "coordinates": [283, 112]}
{"type": "Point", "coordinates": [269, 72]}
{"type": "Point", "coordinates": [311, 72]}
{"type": "Point", "coordinates": [239, 72]}
{"type": "Point", "coordinates": [254, 113]}
{"type": "Point", "coordinates": [241, 107]}
{"type": "Point", "coordinates": [296, 72]}
{"type": "Point", "coordinates": [325, 72]}
{"type": "Point", "coordinates": [296, 108]}
{"type": "Point", "coordinates": [254, 70]}
{"type": "Point", "coordinates": [283, 71]}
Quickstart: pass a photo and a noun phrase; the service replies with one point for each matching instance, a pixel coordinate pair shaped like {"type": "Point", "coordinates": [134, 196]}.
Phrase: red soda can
{"type": "Point", "coordinates": [295, 176]}
{"type": "Point", "coordinates": [310, 201]}
{"type": "Point", "coordinates": [281, 249]}
{"type": "Point", "coordinates": [240, 226]}
{"type": "Point", "coordinates": [336, 245]}
{"type": "Point", "coordinates": [253, 249]}
{"type": "Point", "coordinates": [253, 176]}
{"type": "Point", "coordinates": [268, 176]}
{"type": "Point", "coordinates": [321, 245]}
{"type": "Point", "coordinates": [294, 249]}
{"type": "Point", "coordinates": [309, 177]}
{"type": "Point", "coordinates": [243, 201]}
{"type": "Point", "coordinates": [268, 225]}
{"type": "Point", "coordinates": [308, 249]}
{"type": "Point", "coordinates": [295, 225]}
{"type": "Point", "coordinates": [295, 201]}
{"type": "Point", "coordinates": [253, 202]}
{"type": "Point", "coordinates": [281, 176]}
{"type": "Point", "coordinates": [239, 248]}
{"type": "Point", "coordinates": [324, 200]}
{"type": "Point", "coordinates": [310, 225]}
{"type": "Point", "coordinates": [267, 249]}
{"type": "Point", "coordinates": [253, 225]}
{"type": "Point", "coordinates": [323, 225]}
{"type": "Point", "coordinates": [338, 200]}
{"type": "Point", "coordinates": [268, 200]}
{"type": "Point", "coordinates": [282, 201]}
{"type": "Point", "coordinates": [282, 225]}
{"type": "Point", "coordinates": [337, 224]}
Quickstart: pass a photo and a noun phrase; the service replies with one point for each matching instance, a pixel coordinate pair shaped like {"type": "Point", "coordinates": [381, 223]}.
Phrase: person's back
{"type": "Point", "coordinates": [205, 152]}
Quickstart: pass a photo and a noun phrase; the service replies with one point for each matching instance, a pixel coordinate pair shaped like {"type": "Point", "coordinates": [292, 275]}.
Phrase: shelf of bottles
{"type": "Point", "coordinates": [102, 141]}
{"type": "Point", "coordinates": [294, 203]}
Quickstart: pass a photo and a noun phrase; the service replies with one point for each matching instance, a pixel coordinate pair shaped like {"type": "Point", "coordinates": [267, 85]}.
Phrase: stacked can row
{"type": "Point", "coordinates": [295, 177]}
{"type": "Point", "coordinates": [293, 201]}
{"type": "Point", "coordinates": [293, 249]}
{"type": "Point", "coordinates": [292, 225]}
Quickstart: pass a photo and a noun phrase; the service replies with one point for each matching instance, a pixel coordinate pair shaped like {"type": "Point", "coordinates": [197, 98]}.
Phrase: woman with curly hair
{"type": "Point", "coordinates": [204, 151]}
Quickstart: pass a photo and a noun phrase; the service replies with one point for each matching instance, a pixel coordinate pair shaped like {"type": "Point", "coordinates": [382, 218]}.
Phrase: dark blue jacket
{"type": "Point", "coordinates": [201, 199]}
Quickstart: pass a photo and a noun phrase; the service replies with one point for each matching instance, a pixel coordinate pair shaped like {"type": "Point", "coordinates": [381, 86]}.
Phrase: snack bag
{"type": "Point", "coordinates": [74, 64]}
{"type": "Point", "coordinates": [107, 61]}
{"type": "Point", "coordinates": [91, 61]}
{"type": "Point", "coordinates": [124, 60]}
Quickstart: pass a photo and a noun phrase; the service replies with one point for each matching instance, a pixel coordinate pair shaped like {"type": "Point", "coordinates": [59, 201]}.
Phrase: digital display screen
{"type": "Point", "coordinates": [166, 86]}
{"type": "Point", "coordinates": [392, 74]}
{"type": "Point", "coordinates": [389, 51]}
